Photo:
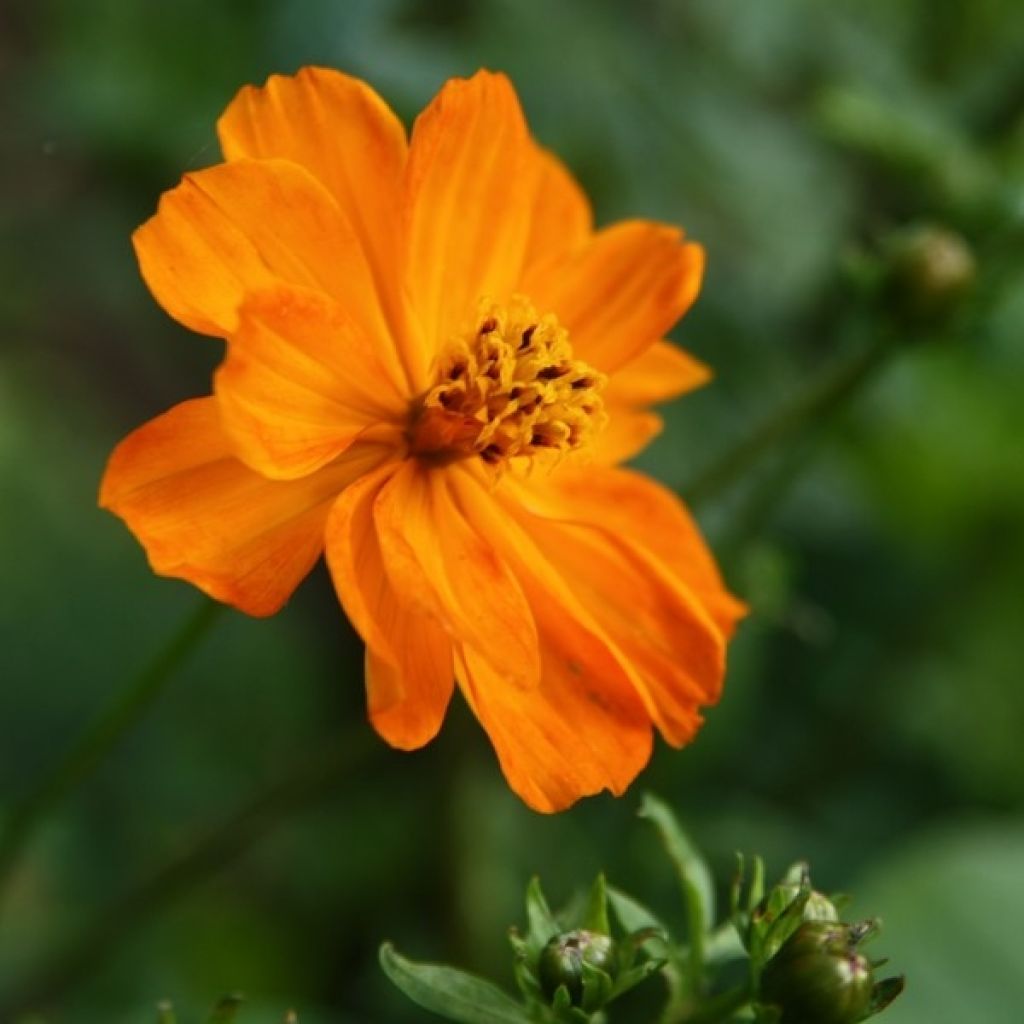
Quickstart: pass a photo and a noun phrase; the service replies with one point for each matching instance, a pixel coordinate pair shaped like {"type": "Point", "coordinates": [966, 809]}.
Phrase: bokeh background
{"type": "Point", "coordinates": [873, 720]}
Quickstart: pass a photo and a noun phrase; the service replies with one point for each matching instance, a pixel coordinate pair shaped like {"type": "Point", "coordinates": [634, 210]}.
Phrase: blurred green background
{"type": "Point", "coordinates": [874, 715]}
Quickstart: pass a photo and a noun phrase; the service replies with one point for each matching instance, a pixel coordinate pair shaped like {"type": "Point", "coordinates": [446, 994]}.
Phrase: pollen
{"type": "Point", "coordinates": [507, 388]}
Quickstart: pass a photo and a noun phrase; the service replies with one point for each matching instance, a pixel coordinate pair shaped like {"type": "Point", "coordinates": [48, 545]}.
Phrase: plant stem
{"type": "Point", "coordinates": [92, 745]}
{"type": "Point", "coordinates": [824, 397]}
{"type": "Point", "coordinates": [207, 854]}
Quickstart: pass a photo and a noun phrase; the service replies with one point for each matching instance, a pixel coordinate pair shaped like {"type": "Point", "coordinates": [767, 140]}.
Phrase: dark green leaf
{"type": "Point", "coordinates": [451, 993]}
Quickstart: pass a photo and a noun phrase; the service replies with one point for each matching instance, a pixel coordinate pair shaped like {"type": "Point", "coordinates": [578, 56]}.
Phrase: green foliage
{"type": "Point", "coordinates": [804, 964]}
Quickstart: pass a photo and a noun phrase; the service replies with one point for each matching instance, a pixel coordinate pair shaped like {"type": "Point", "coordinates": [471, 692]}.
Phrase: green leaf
{"type": "Point", "coordinates": [632, 914]}
{"type": "Point", "coordinates": [226, 1009]}
{"type": "Point", "coordinates": [695, 880]}
{"type": "Point", "coordinates": [595, 913]}
{"type": "Point", "coordinates": [597, 987]}
{"type": "Point", "coordinates": [723, 945]}
{"type": "Point", "coordinates": [542, 924]}
{"type": "Point", "coordinates": [451, 993]}
{"type": "Point", "coordinates": [953, 903]}
{"type": "Point", "coordinates": [690, 865]}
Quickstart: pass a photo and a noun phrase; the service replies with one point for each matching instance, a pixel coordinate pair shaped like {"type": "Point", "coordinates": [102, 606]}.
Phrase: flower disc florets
{"type": "Point", "coordinates": [509, 387]}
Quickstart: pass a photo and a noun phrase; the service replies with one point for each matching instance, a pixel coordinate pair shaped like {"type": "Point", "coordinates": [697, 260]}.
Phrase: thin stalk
{"type": "Point", "coordinates": [92, 745]}
{"type": "Point", "coordinates": [823, 397]}
{"type": "Point", "coordinates": [207, 854]}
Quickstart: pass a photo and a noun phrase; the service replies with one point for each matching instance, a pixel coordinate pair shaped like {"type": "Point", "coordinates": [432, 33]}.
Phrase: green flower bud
{"type": "Point", "coordinates": [819, 976]}
{"type": "Point", "coordinates": [562, 959]}
{"type": "Point", "coordinates": [932, 268]}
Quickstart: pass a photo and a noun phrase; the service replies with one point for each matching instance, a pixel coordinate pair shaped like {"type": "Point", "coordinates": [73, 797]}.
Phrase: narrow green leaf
{"type": "Point", "coordinates": [694, 878]}
{"type": "Point", "coordinates": [597, 987]}
{"type": "Point", "coordinates": [226, 1009]}
{"type": "Point", "coordinates": [756, 893]}
{"type": "Point", "coordinates": [690, 865]}
{"type": "Point", "coordinates": [542, 923]}
{"type": "Point", "coordinates": [595, 913]}
{"type": "Point", "coordinates": [451, 993]}
{"type": "Point", "coordinates": [632, 914]}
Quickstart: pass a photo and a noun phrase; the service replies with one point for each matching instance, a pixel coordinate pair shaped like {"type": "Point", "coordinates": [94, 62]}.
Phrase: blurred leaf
{"type": "Point", "coordinates": [595, 914]}
{"type": "Point", "coordinates": [451, 993]}
{"type": "Point", "coordinates": [165, 1014]}
{"type": "Point", "coordinates": [632, 914]}
{"type": "Point", "coordinates": [953, 905]}
{"type": "Point", "coordinates": [226, 1009]}
{"type": "Point", "coordinates": [698, 886]}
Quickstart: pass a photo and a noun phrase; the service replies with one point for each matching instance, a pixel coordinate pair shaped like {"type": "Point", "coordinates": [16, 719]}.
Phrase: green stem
{"type": "Point", "coordinates": [207, 854]}
{"type": "Point", "coordinates": [825, 396]}
{"type": "Point", "coordinates": [92, 745]}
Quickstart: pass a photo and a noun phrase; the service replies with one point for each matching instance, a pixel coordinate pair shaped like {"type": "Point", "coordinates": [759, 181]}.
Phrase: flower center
{"type": "Point", "coordinates": [509, 387]}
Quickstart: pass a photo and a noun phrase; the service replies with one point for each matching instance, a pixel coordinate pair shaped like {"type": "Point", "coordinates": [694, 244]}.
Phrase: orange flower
{"type": "Point", "coordinates": [434, 364]}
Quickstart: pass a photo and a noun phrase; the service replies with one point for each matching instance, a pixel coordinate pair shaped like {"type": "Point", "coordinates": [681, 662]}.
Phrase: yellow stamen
{"type": "Point", "coordinates": [509, 387]}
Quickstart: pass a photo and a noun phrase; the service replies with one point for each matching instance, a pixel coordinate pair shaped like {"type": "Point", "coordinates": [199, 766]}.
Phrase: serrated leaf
{"type": "Point", "coordinates": [595, 912]}
{"type": "Point", "coordinates": [451, 993]}
{"type": "Point", "coordinates": [226, 1009]}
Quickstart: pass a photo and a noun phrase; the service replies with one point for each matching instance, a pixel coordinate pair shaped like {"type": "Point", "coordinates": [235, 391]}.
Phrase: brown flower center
{"type": "Point", "coordinates": [509, 387]}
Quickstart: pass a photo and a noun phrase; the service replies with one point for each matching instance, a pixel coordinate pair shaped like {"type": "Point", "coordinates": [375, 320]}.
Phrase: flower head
{"type": "Point", "coordinates": [434, 364]}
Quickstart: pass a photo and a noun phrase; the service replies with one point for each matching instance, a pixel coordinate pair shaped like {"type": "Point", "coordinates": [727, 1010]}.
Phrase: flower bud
{"type": "Point", "coordinates": [819, 976]}
{"type": "Point", "coordinates": [932, 268]}
{"type": "Point", "coordinates": [562, 959]}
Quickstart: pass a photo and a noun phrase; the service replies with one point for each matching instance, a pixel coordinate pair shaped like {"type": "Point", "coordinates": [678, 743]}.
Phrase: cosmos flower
{"type": "Point", "coordinates": [434, 366]}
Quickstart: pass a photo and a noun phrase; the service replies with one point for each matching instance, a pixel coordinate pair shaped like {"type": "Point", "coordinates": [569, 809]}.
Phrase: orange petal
{"type": "Point", "coordinates": [656, 622]}
{"type": "Point", "coordinates": [561, 220]}
{"type": "Point", "coordinates": [300, 382]}
{"type": "Point", "coordinates": [248, 224]}
{"type": "Point", "coordinates": [468, 196]}
{"type": "Point", "coordinates": [565, 739]}
{"type": "Point", "coordinates": [657, 374]}
{"type": "Point", "coordinates": [203, 516]}
{"type": "Point", "coordinates": [347, 137]}
{"type": "Point", "coordinates": [409, 675]}
{"type": "Point", "coordinates": [584, 728]}
{"type": "Point", "coordinates": [437, 560]}
{"type": "Point", "coordinates": [627, 434]}
{"type": "Point", "coordinates": [638, 510]}
{"type": "Point", "coordinates": [407, 701]}
{"type": "Point", "coordinates": [623, 290]}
